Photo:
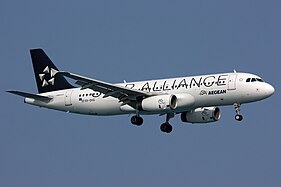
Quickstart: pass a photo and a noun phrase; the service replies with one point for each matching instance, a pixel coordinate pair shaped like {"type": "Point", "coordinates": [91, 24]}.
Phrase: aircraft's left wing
{"type": "Point", "coordinates": [125, 95]}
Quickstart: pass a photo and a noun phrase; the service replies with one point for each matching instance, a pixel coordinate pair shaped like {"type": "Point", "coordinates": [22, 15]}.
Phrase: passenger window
{"type": "Point", "coordinates": [248, 80]}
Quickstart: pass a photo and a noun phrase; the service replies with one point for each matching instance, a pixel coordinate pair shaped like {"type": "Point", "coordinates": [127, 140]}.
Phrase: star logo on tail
{"type": "Point", "coordinates": [48, 76]}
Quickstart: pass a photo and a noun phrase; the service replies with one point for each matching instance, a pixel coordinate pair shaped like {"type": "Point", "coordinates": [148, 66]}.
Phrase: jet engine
{"type": "Point", "coordinates": [184, 101]}
{"type": "Point", "coordinates": [159, 103]}
{"type": "Point", "coordinates": [201, 115]}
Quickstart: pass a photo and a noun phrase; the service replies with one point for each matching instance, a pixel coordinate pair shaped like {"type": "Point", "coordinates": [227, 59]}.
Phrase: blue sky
{"type": "Point", "coordinates": [137, 40]}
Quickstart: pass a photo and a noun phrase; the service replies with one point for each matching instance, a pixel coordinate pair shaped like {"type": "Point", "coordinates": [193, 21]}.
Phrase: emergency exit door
{"type": "Point", "coordinates": [232, 82]}
{"type": "Point", "coordinates": [67, 98]}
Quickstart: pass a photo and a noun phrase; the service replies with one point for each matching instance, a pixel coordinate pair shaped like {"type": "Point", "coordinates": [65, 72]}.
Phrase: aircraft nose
{"type": "Point", "coordinates": [269, 90]}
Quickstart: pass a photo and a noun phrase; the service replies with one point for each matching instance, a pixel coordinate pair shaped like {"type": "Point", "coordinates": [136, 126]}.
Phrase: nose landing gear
{"type": "Point", "coordinates": [238, 116]}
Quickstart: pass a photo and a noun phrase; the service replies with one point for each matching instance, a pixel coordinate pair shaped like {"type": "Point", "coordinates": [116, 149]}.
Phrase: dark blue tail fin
{"type": "Point", "coordinates": [45, 72]}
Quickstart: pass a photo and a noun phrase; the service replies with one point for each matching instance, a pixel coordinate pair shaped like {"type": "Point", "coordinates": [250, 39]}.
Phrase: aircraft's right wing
{"type": "Point", "coordinates": [125, 95]}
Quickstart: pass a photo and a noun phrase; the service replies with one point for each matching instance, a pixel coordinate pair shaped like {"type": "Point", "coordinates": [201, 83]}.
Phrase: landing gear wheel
{"type": "Point", "coordinates": [137, 120]}
{"type": "Point", "coordinates": [166, 127]}
{"type": "Point", "coordinates": [238, 117]}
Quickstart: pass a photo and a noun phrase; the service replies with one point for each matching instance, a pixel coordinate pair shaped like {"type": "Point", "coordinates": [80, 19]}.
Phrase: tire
{"type": "Point", "coordinates": [239, 117]}
{"type": "Point", "coordinates": [166, 127]}
{"type": "Point", "coordinates": [137, 120]}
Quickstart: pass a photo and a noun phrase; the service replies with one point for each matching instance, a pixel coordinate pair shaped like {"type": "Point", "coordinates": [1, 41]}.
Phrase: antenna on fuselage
{"type": "Point", "coordinates": [234, 71]}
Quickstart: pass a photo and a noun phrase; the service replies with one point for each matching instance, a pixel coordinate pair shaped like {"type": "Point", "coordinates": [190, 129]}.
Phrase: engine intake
{"type": "Point", "coordinates": [201, 115]}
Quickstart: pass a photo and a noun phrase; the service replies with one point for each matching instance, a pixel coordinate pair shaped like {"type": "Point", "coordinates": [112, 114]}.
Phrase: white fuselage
{"type": "Point", "coordinates": [206, 90]}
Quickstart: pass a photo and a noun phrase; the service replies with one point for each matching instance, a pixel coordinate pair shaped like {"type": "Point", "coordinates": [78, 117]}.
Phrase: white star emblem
{"type": "Point", "coordinates": [52, 72]}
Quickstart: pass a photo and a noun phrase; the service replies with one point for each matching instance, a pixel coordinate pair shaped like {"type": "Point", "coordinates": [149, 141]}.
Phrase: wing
{"type": "Point", "coordinates": [125, 95]}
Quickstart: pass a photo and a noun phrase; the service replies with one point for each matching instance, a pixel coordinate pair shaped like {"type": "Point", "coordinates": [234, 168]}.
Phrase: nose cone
{"type": "Point", "coordinates": [269, 90]}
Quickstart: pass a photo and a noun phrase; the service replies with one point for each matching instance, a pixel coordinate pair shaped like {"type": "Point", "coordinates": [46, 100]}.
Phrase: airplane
{"type": "Point", "coordinates": [195, 98]}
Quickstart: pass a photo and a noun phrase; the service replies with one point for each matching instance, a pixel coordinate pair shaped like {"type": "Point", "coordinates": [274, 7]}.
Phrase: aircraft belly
{"type": "Point", "coordinates": [97, 106]}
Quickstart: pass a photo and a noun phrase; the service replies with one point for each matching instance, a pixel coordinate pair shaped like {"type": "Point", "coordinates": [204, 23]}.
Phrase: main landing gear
{"type": "Point", "coordinates": [137, 120]}
{"type": "Point", "coordinates": [166, 127]}
{"type": "Point", "coordinates": [238, 116]}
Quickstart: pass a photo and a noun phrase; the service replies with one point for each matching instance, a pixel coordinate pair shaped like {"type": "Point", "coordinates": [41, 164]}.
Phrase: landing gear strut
{"type": "Point", "coordinates": [238, 116]}
{"type": "Point", "coordinates": [166, 127]}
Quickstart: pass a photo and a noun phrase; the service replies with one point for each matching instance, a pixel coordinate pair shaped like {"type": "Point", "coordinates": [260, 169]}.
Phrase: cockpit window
{"type": "Point", "coordinates": [254, 80]}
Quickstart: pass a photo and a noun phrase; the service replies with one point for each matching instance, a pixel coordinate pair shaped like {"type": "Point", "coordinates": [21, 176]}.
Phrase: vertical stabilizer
{"type": "Point", "coordinates": [45, 73]}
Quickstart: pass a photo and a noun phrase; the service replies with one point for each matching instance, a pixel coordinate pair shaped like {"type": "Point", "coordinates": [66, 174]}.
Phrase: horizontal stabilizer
{"type": "Point", "coordinates": [30, 95]}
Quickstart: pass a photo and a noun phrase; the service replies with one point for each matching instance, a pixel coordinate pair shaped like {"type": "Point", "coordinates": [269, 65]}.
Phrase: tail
{"type": "Point", "coordinates": [45, 72]}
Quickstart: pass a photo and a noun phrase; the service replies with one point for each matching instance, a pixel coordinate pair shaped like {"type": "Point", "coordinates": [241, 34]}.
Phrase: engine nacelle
{"type": "Point", "coordinates": [159, 103]}
{"type": "Point", "coordinates": [201, 115]}
{"type": "Point", "coordinates": [184, 101]}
